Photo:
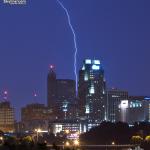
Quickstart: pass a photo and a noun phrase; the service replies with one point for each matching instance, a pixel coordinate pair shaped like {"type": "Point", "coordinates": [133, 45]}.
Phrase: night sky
{"type": "Point", "coordinates": [33, 36]}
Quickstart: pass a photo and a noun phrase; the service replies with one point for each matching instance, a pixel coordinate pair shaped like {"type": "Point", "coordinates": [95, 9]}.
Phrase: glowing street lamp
{"type": "Point", "coordinates": [67, 143]}
{"type": "Point", "coordinates": [113, 143]}
{"type": "Point", "coordinates": [37, 133]}
{"type": "Point", "coordinates": [67, 131]}
{"type": "Point", "coordinates": [76, 142]}
{"type": "Point", "coordinates": [1, 138]}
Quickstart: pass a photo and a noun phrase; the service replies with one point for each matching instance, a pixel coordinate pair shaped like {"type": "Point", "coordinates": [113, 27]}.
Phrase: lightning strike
{"type": "Point", "coordinates": [75, 43]}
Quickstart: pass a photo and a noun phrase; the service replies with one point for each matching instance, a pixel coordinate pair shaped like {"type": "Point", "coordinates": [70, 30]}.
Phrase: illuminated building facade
{"type": "Point", "coordinates": [136, 109]}
{"type": "Point", "coordinates": [34, 116]}
{"type": "Point", "coordinates": [114, 97]}
{"type": "Point", "coordinates": [92, 91]}
{"type": "Point", "coordinates": [71, 127]}
{"type": "Point", "coordinates": [60, 95]}
{"type": "Point", "coordinates": [7, 117]}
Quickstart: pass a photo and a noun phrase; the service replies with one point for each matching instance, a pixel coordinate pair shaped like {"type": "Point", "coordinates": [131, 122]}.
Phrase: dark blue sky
{"type": "Point", "coordinates": [31, 37]}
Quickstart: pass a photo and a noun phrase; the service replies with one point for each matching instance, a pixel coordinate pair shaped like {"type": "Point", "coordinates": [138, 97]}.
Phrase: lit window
{"type": "Point", "coordinates": [83, 68]}
{"type": "Point", "coordinates": [87, 109]}
{"type": "Point", "coordinates": [85, 77]}
{"type": "Point", "coordinates": [92, 91]}
{"type": "Point", "coordinates": [88, 61]}
{"type": "Point", "coordinates": [96, 62]}
{"type": "Point", "coordinates": [95, 67]}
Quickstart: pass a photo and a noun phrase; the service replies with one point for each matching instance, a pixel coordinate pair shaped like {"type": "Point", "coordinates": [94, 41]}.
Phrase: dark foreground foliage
{"type": "Point", "coordinates": [23, 147]}
{"type": "Point", "coordinates": [119, 133]}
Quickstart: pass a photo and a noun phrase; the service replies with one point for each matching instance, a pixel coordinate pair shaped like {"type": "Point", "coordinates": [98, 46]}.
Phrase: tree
{"type": "Point", "coordinates": [146, 143]}
{"type": "Point", "coordinates": [136, 139]}
{"type": "Point", "coordinates": [147, 138]}
{"type": "Point", "coordinates": [27, 140]}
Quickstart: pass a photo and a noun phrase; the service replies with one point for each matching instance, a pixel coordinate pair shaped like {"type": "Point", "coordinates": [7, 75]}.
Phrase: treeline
{"type": "Point", "coordinates": [117, 133]}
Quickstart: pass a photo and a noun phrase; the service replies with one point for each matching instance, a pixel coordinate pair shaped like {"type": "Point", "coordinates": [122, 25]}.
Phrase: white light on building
{"type": "Point", "coordinates": [95, 67]}
{"type": "Point", "coordinates": [58, 128]}
{"type": "Point", "coordinates": [88, 61]}
{"type": "Point", "coordinates": [96, 62]}
{"type": "Point", "coordinates": [85, 77]}
{"type": "Point", "coordinates": [92, 91]}
{"type": "Point", "coordinates": [87, 109]}
{"type": "Point", "coordinates": [124, 104]}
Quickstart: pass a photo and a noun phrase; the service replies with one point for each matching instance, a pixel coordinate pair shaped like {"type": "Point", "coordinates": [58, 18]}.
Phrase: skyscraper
{"type": "Point", "coordinates": [51, 88]}
{"type": "Point", "coordinates": [65, 98]}
{"type": "Point", "coordinates": [92, 91]}
{"type": "Point", "coordinates": [60, 95]}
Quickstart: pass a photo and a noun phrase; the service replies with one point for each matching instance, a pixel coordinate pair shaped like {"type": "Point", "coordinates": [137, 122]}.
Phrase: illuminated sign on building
{"type": "Point", "coordinates": [73, 136]}
{"type": "Point", "coordinates": [124, 104]}
{"type": "Point", "coordinates": [147, 98]}
{"type": "Point", "coordinates": [135, 104]}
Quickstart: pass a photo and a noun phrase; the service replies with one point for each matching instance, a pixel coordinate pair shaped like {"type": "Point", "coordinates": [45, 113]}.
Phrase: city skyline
{"type": "Point", "coordinates": [116, 33]}
{"type": "Point", "coordinates": [5, 93]}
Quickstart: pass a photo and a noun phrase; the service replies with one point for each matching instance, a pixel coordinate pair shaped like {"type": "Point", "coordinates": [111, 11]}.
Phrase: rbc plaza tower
{"type": "Point", "coordinates": [92, 91]}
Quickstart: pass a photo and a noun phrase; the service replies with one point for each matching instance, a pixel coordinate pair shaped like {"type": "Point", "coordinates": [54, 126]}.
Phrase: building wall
{"type": "Point", "coordinates": [137, 110]}
{"type": "Point", "coordinates": [51, 89]}
{"type": "Point", "coordinates": [61, 96]}
{"type": "Point", "coordinates": [7, 117]}
{"type": "Point", "coordinates": [113, 98]}
{"type": "Point", "coordinates": [35, 116]}
{"type": "Point", "coordinates": [69, 126]}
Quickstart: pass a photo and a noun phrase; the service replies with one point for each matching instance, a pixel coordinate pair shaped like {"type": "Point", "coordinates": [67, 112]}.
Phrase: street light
{"type": "Point", "coordinates": [113, 143]}
{"type": "Point", "coordinates": [76, 142]}
{"type": "Point", "coordinates": [37, 133]}
{"type": "Point", "coordinates": [1, 138]}
{"type": "Point", "coordinates": [67, 143]}
{"type": "Point", "coordinates": [67, 131]}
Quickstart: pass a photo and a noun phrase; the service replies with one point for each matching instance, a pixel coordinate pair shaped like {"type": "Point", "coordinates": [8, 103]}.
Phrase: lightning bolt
{"type": "Point", "coordinates": [75, 43]}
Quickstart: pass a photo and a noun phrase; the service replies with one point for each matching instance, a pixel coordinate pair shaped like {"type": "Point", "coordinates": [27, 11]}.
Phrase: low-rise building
{"type": "Point", "coordinates": [135, 109]}
{"type": "Point", "coordinates": [35, 116]}
{"type": "Point", "coordinates": [71, 127]}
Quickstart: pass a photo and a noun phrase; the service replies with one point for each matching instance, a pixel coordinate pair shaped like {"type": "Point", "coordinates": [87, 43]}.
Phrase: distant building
{"type": "Point", "coordinates": [136, 109]}
{"type": "Point", "coordinates": [34, 116]}
{"type": "Point", "coordinates": [92, 91]}
{"type": "Point", "coordinates": [72, 127]}
{"type": "Point", "coordinates": [60, 95]}
{"type": "Point", "coordinates": [113, 98]}
{"type": "Point", "coordinates": [19, 127]}
{"type": "Point", "coordinates": [51, 88]}
{"type": "Point", "coordinates": [7, 117]}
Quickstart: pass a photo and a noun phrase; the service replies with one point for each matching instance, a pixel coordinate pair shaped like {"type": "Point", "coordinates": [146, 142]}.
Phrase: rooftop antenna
{"type": "Point", "coordinates": [35, 96]}
{"type": "Point", "coordinates": [5, 95]}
